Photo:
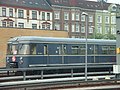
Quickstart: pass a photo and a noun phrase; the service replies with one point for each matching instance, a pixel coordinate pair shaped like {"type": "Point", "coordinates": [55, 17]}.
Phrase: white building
{"type": "Point", "coordinates": [35, 14]}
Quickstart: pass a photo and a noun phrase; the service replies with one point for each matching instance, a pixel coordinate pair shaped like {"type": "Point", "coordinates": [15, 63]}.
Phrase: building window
{"type": "Point", "coordinates": [43, 15]}
{"type": "Point", "coordinates": [3, 11]}
{"type": "Point", "coordinates": [57, 15]}
{"type": "Point", "coordinates": [66, 27]}
{"type": "Point", "coordinates": [73, 16]}
{"type": "Point", "coordinates": [82, 17]}
{"type": "Point", "coordinates": [106, 30]}
{"type": "Point", "coordinates": [90, 18]}
{"type": "Point", "coordinates": [34, 26]}
{"type": "Point", "coordinates": [34, 15]}
{"type": "Point", "coordinates": [106, 19]}
{"type": "Point", "coordinates": [99, 29]}
{"type": "Point", "coordinates": [4, 24]}
{"type": "Point", "coordinates": [113, 20]}
{"type": "Point", "coordinates": [90, 29]}
{"type": "Point", "coordinates": [99, 19]}
{"type": "Point", "coordinates": [73, 28]}
{"type": "Point", "coordinates": [77, 16]}
{"type": "Point", "coordinates": [43, 26]}
{"type": "Point", "coordinates": [57, 26]}
{"type": "Point", "coordinates": [48, 26]}
{"type": "Point", "coordinates": [20, 25]}
{"type": "Point", "coordinates": [11, 12]}
{"type": "Point", "coordinates": [48, 16]}
{"type": "Point", "coordinates": [83, 29]}
{"type": "Point", "coordinates": [113, 30]}
{"type": "Point", "coordinates": [20, 13]}
{"type": "Point", "coordinates": [66, 16]}
{"type": "Point", "coordinates": [72, 36]}
{"type": "Point", "coordinates": [77, 27]}
{"type": "Point", "coordinates": [10, 24]}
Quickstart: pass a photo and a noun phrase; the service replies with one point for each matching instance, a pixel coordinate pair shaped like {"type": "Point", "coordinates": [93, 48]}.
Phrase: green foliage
{"type": "Point", "coordinates": [109, 36]}
{"type": "Point", "coordinates": [98, 36]}
{"type": "Point", "coordinates": [101, 36]}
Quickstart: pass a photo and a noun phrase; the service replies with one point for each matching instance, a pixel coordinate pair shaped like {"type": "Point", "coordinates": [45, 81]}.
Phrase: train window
{"type": "Point", "coordinates": [96, 49]}
{"type": "Point", "coordinates": [32, 49]}
{"type": "Point", "coordinates": [91, 49]}
{"type": "Point", "coordinates": [59, 50]}
{"type": "Point", "coordinates": [82, 49]}
{"type": "Point", "coordinates": [24, 49]}
{"type": "Point", "coordinates": [104, 49]}
{"type": "Point", "coordinates": [45, 49]}
{"type": "Point", "coordinates": [64, 50]}
{"type": "Point", "coordinates": [75, 50]}
{"type": "Point", "coordinates": [112, 50]}
{"type": "Point", "coordinates": [12, 48]}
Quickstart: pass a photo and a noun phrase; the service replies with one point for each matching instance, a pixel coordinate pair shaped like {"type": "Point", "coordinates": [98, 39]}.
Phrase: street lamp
{"type": "Point", "coordinates": [86, 20]}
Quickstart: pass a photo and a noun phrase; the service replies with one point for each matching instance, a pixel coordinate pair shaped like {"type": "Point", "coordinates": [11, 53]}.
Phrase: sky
{"type": "Point", "coordinates": [110, 1]}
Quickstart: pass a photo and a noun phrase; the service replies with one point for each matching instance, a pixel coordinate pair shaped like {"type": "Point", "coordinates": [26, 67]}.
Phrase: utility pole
{"type": "Point", "coordinates": [116, 68]}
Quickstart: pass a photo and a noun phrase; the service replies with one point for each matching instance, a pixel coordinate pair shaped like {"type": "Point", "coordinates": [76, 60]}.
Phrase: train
{"type": "Point", "coordinates": [36, 51]}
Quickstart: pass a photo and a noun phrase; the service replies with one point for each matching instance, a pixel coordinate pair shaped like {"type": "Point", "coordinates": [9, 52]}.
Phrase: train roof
{"type": "Point", "coordinates": [58, 40]}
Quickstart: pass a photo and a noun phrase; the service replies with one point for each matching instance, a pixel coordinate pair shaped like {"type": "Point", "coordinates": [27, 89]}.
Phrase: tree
{"type": "Point", "coordinates": [109, 36]}
{"type": "Point", "coordinates": [99, 36]}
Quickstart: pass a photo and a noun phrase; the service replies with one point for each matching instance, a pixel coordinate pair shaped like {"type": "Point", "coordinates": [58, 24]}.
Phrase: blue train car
{"type": "Point", "coordinates": [32, 51]}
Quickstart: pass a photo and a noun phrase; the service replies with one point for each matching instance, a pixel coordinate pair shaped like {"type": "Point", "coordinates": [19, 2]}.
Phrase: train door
{"type": "Point", "coordinates": [42, 53]}
{"type": "Point", "coordinates": [46, 53]}
{"type": "Point", "coordinates": [64, 52]}
{"type": "Point", "coordinates": [45, 49]}
{"type": "Point", "coordinates": [55, 53]}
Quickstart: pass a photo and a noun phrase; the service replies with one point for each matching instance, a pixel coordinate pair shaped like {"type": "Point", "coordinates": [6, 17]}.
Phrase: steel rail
{"type": "Point", "coordinates": [57, 81]}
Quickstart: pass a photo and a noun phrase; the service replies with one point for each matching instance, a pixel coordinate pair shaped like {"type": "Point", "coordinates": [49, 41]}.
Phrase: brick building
{"type": "Point", "coordinates": [67, 15]}
{"type": "Point", "coordinates": [7, 33]}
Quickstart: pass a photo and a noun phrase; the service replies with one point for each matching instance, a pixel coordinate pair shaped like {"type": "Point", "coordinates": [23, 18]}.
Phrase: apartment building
{"type": "Point", "coordinates": [35, 14]}
{"type": "Point", "coordinates": [105, 21]}
{"type": "Point", "coordinates": [24, 18]}
{"type": "Point", "coordinates": [67, 15]}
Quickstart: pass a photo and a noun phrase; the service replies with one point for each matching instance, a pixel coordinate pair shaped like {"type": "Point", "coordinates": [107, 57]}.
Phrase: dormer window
{"type": "Point", "coordinates": [114, 8]}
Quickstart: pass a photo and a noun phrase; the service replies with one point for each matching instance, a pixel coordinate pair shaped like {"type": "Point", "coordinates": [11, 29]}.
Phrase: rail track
{"type": "Point", "coordinates": [59, 83]}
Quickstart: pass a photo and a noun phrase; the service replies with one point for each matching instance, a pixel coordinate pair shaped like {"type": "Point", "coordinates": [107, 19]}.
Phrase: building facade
{"type": "Point", "coordinates": [35, 14]}
{"type": "Point", "coordinates": [67, 15]}
{"type": "Point", "coordinates": [105, 22]}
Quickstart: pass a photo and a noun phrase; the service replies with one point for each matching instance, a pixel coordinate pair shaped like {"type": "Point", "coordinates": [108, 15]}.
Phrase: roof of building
{"type": "Point", "coordinates": [81, 3]}
{"type": "Point", "coordinates": [32, 4]}
{"type": "Point", "coordinates": [93, 5]}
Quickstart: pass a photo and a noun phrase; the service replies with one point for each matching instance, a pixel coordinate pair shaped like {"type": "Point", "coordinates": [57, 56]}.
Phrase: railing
{"type": "Point", "coordinates": [53, 68]}
{"type": "Point", "coordinates": [28, 80]}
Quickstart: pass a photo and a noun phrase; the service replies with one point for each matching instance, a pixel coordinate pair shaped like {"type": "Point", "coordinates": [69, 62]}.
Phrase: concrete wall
{"type": "Point", "coordinates": [6, 33]}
